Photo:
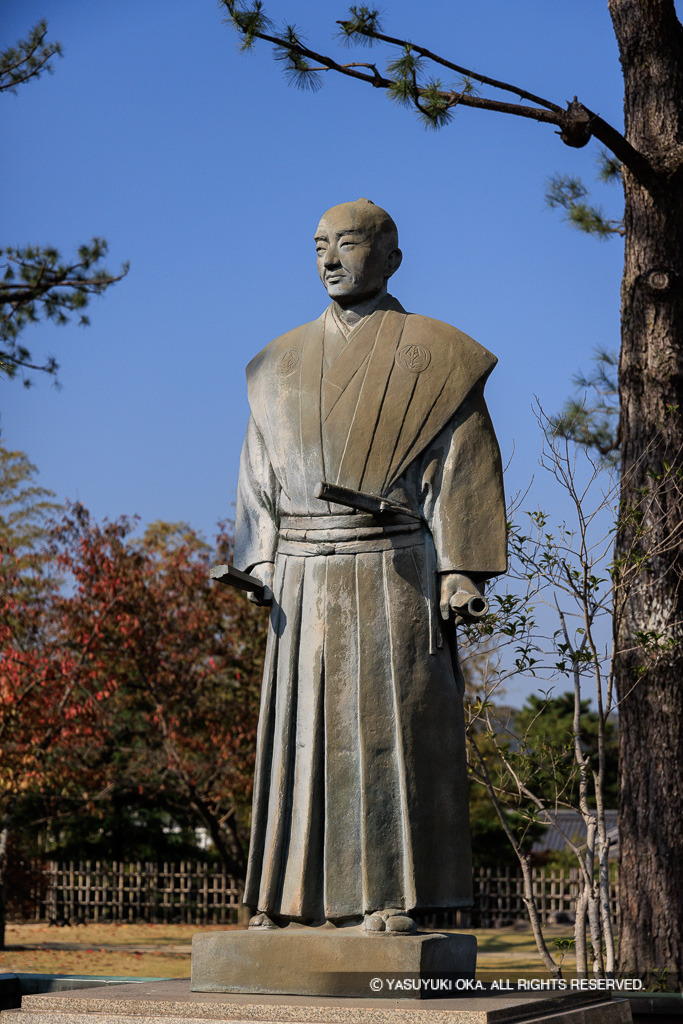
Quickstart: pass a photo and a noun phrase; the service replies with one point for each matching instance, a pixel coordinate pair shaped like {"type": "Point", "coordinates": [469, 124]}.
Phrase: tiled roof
{"type": "Point", "coordinates": [573, 826]}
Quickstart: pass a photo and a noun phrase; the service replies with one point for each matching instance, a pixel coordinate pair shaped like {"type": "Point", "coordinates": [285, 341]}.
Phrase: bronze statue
{"type": "Point", "coordinates": [370, 508]}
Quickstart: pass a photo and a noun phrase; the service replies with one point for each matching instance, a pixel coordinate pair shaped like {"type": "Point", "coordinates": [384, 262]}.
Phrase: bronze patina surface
{"type": "Point", "coordinates": [360, 811]}
{"type": "Point", "coordinates": [315, 961]}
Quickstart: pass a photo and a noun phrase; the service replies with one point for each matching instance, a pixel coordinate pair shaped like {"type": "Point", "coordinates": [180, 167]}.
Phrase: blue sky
{"type": "Point", "coordinates": [206, 171]}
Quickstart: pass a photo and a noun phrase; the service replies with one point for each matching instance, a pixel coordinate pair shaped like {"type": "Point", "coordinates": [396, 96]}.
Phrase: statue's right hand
{"type": "Point", "coordinates": [263, 571]}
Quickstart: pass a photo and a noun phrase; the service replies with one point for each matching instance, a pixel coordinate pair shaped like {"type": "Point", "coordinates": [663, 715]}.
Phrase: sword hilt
{"type": "Point", "coordinates": [233, 577]}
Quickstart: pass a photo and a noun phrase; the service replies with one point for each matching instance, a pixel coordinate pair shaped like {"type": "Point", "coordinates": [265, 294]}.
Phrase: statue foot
{"type": "Point", "coordinates": [262, 921]}
{"type": "Point", "coordinates": [374, 923]}
{"type": "Point", "coordinates": [392, 920]}
{"type": "Point", "coordinates": [400, 923]}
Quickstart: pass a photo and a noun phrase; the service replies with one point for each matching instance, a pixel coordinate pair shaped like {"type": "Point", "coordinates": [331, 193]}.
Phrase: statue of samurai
{"type": "Point", "coordinates": [370, 507]}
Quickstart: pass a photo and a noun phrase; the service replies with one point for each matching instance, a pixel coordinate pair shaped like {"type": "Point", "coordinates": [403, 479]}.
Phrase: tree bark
{"type": "Point", "coordinates": [650, 682]}
{"type": "Point", "coordinates": [226, 841]}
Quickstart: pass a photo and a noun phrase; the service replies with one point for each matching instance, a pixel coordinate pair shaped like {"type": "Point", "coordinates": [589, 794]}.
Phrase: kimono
{"type": "Point", "coordinates": [360, 793]}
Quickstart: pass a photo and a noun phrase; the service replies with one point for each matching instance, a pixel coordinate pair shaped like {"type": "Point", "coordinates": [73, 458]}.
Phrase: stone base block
{"type": "Point", "coordinates": [329, 962]}
{"type": "Point", "coordinates": [172, 1002]}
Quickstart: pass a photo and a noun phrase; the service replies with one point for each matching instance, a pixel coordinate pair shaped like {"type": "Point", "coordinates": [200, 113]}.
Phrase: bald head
{"type": "Point", "coordinates": [364, 215]}
{"type": "Point", "coordinates": [357, 247]}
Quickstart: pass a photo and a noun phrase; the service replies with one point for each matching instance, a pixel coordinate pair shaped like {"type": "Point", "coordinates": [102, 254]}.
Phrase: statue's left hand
{"type": "Point", "coordinates": [263, 571]}
{"type": "Point", "coordinates": [456, 591]}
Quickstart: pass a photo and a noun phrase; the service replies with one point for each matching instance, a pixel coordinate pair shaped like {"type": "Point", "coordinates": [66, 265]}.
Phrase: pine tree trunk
{"type": "Point", "coordinates": [650, 684]}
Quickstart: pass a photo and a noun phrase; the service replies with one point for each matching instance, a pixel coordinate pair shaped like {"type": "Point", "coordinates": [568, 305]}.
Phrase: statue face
{"type": "Point", "coordinates": [353, 261]}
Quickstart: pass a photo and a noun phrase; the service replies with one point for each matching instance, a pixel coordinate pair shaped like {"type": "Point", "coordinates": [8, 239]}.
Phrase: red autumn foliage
{"type": "Point", "coordinates": [168, 665]}
{"type": "Point", "coordinates": [136, 673]}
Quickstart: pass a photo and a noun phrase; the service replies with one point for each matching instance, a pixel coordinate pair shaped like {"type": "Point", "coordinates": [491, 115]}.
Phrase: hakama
{"type": "Point", "coordinates": [361, 794]}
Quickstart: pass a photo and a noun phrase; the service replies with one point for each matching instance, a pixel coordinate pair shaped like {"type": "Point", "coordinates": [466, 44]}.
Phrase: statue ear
{"type": "Point", "coordinates": [394, 259]}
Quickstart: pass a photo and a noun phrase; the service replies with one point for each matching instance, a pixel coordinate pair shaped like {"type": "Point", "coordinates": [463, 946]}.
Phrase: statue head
{"type": "Point", "coordinates": [357, 247]}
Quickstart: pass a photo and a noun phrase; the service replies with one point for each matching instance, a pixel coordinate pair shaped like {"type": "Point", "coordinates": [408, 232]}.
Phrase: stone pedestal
{"type": "Point", "coordinates": [334, 962]}
{"type": "Point", "coordinates": [172, 1002]}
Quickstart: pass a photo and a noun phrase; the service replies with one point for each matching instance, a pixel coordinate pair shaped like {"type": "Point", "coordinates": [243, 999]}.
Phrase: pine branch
{"type": "Point", "coordinates": [298, 70]}
{"type": "Point", "coordinates": [433, 102]}
{"type": "Point", "coordinates": [567, 193]}
{"type": "Point", "coordinates": [350, 29]}
{"type": "Point", "coordinates": [593, 424]}
{"type": "Point", "coordinates": [609, 168]}
{"type": "Point", "coordinates": [36, 285]}
{"type": "Point", "coordinates": [27, 59]}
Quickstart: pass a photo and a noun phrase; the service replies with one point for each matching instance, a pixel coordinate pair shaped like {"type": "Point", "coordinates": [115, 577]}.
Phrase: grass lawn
{"type": "Point", "coordinates": [163, 951]}
{"type": "Point", "coordinates": [128, 950]}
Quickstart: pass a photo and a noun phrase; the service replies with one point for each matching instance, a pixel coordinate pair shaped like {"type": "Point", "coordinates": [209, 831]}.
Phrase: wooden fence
{"type": "Point", "coordinates": [192, 893]}
{"type": "Point", "coordinates": [183, 893]}
{"type": "Point", "coordinates": [499, 892]}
